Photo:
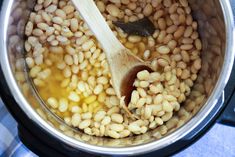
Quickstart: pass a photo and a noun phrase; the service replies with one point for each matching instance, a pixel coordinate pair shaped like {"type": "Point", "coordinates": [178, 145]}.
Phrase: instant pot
{"type": "Point", "coordinates": [46, 135]}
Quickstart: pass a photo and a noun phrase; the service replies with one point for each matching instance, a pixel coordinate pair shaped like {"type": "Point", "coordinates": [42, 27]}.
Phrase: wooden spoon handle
{"type": "Point", "coordinates": [98, 25]}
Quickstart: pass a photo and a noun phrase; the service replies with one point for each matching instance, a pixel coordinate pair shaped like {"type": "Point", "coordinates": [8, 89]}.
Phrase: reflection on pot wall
{"type": "Point", "coordinates": [212, 32]}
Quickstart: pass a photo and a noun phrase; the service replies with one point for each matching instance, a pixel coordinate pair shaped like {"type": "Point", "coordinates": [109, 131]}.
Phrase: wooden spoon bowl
{"type": "Point", "coordinates": [124, 66]}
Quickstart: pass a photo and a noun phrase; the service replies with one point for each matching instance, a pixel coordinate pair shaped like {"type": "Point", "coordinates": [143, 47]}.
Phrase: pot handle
{"type": "Point", "coordinates": [228, 116]}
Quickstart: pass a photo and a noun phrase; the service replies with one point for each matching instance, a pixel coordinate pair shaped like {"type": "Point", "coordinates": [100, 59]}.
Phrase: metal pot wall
{"type": "Point", "coordinates": [46, 135]}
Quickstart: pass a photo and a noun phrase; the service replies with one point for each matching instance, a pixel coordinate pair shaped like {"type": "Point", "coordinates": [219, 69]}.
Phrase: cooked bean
{"type": "Point", "coordinates": [69, 68]}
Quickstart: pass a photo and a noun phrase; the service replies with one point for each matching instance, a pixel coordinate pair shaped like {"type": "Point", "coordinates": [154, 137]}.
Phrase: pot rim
{"type": "Point", "coordinates": [180, 133]}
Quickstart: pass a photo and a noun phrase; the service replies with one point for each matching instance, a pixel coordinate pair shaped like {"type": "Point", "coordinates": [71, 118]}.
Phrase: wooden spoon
{"type": "Point", "coordinates": [124, 66]}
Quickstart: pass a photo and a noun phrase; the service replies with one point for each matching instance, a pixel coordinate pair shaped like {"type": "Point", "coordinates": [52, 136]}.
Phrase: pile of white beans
{"type": "Point", "coordinates": [71, 73]}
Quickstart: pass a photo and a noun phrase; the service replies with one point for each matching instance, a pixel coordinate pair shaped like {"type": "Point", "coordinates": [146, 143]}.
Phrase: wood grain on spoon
{"type": "Point", "coordinates": [124, 66]}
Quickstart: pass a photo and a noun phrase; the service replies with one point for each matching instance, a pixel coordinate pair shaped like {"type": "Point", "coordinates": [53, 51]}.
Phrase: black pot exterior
{"type": "Point", "coordinates": [43, 144]}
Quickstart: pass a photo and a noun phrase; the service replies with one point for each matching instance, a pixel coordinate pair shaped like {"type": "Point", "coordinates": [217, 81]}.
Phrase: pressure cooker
{"type": "Point", "coordinates": [46, 135]}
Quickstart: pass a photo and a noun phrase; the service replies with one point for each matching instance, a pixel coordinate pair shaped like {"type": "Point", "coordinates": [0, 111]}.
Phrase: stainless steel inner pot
{"type": "Point", "coordinates": [216, 27]}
